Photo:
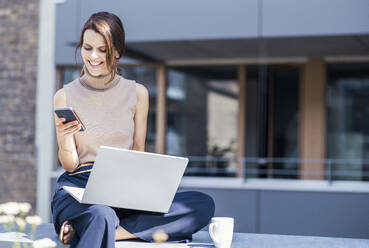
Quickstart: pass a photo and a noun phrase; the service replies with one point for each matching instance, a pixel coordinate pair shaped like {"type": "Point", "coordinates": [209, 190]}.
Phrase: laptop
{"type": "Point", "coordinates": [132, 179]}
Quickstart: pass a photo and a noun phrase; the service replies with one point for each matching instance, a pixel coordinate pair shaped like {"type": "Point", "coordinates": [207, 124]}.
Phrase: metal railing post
{"type": "Point", "coordinates": [329, 171]}
{"type": "Point", "coordinates": [244, 169]}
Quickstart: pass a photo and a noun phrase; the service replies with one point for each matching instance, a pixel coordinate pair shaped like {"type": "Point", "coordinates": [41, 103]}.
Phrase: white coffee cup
{"type": "Point", "coordinates": [221, 231]}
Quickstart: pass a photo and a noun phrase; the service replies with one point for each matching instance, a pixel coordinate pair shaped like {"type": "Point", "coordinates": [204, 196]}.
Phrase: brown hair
{"type": "Point", "coordinates": [111, 28]}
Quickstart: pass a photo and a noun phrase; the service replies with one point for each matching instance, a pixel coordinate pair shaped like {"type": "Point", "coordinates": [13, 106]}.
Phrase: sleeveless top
{"type": "Point", "coordinates": [107, 115]}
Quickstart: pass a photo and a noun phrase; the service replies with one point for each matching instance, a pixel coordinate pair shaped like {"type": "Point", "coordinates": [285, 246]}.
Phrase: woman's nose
{"type": "Point", "coordinates": [94, 55]}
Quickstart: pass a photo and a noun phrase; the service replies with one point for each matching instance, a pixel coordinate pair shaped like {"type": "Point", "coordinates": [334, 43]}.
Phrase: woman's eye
{"type": "Point", "coordinates": [103, 50]}
{"type": "Point", "coordinates": [87, 48]}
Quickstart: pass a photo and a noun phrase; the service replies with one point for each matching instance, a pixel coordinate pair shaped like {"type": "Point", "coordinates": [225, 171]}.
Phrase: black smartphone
{"type": "Point", "coordinates": [69, 115]}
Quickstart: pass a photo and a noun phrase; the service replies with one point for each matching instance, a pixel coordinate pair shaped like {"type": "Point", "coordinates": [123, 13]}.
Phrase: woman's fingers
{"type": "Point", "coordinates": [70, 124]}
{"type": "Point", "coordinates": [68, 128]}
{"type": "Point", "coordinates": [73, 129]}
{"type": "Point", "coordinates": [67, 125]}
{"type": "Point", "coordinates": [59, 121]}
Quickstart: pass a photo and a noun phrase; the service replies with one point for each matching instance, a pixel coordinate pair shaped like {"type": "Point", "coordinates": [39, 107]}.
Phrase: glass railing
{"type": "Point", "coordinates": [263, 167]}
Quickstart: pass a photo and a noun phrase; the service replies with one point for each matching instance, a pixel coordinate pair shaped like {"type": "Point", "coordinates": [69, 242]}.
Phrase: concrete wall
{"type": "Point", "coordinates": [166, 20]}
{"type": "Point", "coordinates": [219, 19]}
{"type": "Point", "coordinates": [18, 71]}
{"type": "Point", "coordinates": [314, 17]}
{"type": "Point", "coordinates": [293, 212]}
{"type": "Point", "coordinates": [288, 210]}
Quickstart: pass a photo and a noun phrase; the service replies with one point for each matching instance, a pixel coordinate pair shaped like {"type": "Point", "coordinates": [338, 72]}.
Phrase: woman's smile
{"type": "Point", "coordinates": [95, 65]}
{"type": "Point", "coordinates": [94, 53]}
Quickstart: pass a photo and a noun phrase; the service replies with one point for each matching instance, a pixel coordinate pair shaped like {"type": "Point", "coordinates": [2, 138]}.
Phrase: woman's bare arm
{"type": "Point", "coordinates": [140, 119]}
{"type": "Point", "coordinates": [67, 151]}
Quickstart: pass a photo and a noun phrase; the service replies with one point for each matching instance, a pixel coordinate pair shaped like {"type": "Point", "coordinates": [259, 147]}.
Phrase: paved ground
{"type": "Point", "coordinates": [202, 240]}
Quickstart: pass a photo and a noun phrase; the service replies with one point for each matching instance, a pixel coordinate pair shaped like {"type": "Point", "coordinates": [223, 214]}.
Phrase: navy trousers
{"type": "Point", "coordinates": [95, 225]}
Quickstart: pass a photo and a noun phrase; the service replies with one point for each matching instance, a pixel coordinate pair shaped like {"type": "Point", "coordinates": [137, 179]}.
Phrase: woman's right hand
{"type": "Point", "coordinates": [67, 152]}
{"type": "Point", "coordinates": [66, 130]}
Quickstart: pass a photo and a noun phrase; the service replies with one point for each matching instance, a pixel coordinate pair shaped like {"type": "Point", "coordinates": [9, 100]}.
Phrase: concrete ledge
{"type": "Point", "coordinates": [274, 184]}
{"type": "Point", "coordinates": [266, 184]}
{"type": "Point", "coordinates": [202, 239]}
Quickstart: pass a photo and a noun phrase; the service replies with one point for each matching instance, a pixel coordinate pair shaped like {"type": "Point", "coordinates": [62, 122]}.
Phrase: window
{"type": "Point", "coordinates": [202, 116]}
{"type": "Point", "coordinates": [272, 121]}
{"type": "Point", "coordinates": [348, 121]}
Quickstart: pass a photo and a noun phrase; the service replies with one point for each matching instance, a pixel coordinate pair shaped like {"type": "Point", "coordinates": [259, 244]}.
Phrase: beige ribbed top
{"type": "Point", "coordinates": [107, 115]}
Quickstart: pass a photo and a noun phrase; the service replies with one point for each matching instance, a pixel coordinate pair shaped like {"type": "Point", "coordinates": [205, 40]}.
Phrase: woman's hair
{"type": "Point", "coordinates": [111, 28]}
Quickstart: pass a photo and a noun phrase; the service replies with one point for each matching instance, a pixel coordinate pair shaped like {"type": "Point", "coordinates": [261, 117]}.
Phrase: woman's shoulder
{"type": "Point", "coordinates": [60, 99]}
{"type": "Point", "coordinates": [141, 91]}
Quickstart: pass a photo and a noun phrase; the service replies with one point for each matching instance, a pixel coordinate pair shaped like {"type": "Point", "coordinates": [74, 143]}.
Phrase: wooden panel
{"type": "Point", "coordinates": [312, 122]}
{"type": "Point", "coordinates": [241, 118]}
{"type": "Point", "coordinates": [161, 115]}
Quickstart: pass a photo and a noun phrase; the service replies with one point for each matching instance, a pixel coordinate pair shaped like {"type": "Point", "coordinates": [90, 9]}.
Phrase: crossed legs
{"type": "Point", "coordinates": [100, 226]}
{"type": "Point", "coordinates": [68, 233]}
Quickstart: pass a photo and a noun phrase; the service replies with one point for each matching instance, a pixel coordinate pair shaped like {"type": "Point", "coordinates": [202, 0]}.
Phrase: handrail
{"type": "Point", "coordinates": [328, 172]}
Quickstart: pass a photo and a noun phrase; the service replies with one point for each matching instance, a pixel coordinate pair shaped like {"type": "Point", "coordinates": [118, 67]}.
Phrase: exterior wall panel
{"type": "Point", "coordinates": [152, 26]}
{"type": "Point", "coordinates": [180, 20]}
{"type": "Point", "coordinates": [239, 204]}
{"type": "Point", "coordinates": [314, 17]}
{"type": "Point", "coordinates": [67, 31]}
{"type": "Point", "coordinates": [314, 213]}
{"type": "Point", "coordinates": [293, 212]}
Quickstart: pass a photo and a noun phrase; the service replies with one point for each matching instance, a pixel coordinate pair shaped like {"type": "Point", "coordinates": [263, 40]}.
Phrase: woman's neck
{"type": "Point", "coordinates": [100, 82]}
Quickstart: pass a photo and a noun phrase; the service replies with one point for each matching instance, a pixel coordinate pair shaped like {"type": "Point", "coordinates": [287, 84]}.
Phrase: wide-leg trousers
{"type": "Point", "coordinates": [95, 225]}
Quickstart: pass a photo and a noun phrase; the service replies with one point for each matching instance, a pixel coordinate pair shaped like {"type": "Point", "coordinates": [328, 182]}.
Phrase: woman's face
{"type": "Point", "coordinates": [94, 53]}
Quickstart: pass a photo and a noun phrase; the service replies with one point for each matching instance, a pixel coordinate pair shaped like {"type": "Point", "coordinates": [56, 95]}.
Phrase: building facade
{"type": "Point", "coordinates": [259, 94]}
{"type": "Point", "coordinates": [253, 88]}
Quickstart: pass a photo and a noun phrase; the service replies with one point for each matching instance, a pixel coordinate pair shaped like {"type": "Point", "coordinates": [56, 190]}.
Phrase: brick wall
{"type": "Point", "coordinates": [18, 71]}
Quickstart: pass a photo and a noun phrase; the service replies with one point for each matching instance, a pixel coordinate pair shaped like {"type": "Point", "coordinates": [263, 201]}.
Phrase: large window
{"type": "Point", "coordinates": [348, 121]}
{"type": "Point", "coordinates": [202, 118]}
{"type": "Point", "coordinates": [68, 74]}
{"type": "Point", "coordinates": [272, 114]}
{"type": "Point", "coordinates": [203, 111]}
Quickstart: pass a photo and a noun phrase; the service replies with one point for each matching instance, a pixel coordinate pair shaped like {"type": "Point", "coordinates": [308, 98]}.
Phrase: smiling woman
{"type": "Point", "coordinates": [103, 42]}
{"type": "Point", "coordinates": [114, 111]}
{"type": "Point", "coordinates": [94, 53]}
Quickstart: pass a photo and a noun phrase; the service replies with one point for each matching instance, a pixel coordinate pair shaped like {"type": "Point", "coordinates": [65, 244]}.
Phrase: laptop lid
{"type": "Point", "coordinates": [134, 180]}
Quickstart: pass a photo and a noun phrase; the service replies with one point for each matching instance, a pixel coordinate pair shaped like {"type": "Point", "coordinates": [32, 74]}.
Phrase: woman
{"type": "Point", "coordinates": [114, 112]}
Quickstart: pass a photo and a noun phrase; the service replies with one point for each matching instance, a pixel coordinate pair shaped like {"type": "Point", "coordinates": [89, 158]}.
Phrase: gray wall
{"type": "Point", "coordinates": [290, 212]}
{"type": "Point", "coordinates": [314, 17]}
{"type": "Point", "coordinates": [167, 20]}
{"type": "Point", "coordinates": [330, 214]}
{"type": "Point", "coordinates": [67, 31]}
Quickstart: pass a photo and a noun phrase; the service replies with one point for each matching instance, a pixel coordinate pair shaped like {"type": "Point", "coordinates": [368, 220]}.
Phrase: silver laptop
{"type": "Point", "coordinates": [132, 179]}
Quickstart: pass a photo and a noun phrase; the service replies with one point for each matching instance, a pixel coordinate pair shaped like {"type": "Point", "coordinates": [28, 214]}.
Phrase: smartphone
{"type": "Point", "coordinates": [69, 115]}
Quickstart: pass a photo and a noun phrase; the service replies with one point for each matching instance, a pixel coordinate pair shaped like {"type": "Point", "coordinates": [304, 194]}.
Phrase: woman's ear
{"type": "Point", "coordinates": [116, 55]}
